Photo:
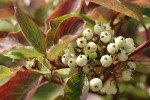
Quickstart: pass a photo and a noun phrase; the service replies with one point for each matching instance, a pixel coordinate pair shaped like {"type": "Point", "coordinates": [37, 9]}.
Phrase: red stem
{"type": "Point", "coordinates": [139, 48]}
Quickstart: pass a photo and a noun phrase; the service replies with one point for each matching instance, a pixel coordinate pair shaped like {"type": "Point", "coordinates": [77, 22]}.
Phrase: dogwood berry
{"type": "Point", "coordinates": [131, 66]}
{"type": "Point", "coordinates": [87, 69]}
{"type": "Point", "coordinates": [81, 42]}
{"type": "Point", "coordinates": [88, 33]}
{"type": "Point", "coordinates": [122, 56]}
{"type": "Point", "coordinates": [111, 89]}
{"type": "Point", "coordinates": [81, 60]}
{"type": "Point", "coordinates": [127, 75]}
{"type": "Point", "coordinates": [96, 84]}
{"type": "Point", "coordinates": [91, 47]}
{"type": "Point", "coordinates": [72, 62]}
{"type": "Point", "coordinates": [65, 58]}
{"type": "Point", "coordinates": [111, 48]}
{"type": "Point", "coordinates": [106, 60]}
{"type": "Point", "coordinates": [105, 36]}
{"type": "Point", "coordinates": [98, 28]}
{"type": "Point", "coordinates": [120, 41]}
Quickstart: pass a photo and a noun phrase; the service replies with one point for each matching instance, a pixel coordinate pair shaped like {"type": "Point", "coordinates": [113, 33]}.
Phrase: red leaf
{"type": "Point", "coordinates": [102, 14]}
{"type": "Point", "coordinates": [67, 7]}
{"type": "Point", "coordinates": [18, 86]}
{"type": "Point", "coordinates": [70, 26]}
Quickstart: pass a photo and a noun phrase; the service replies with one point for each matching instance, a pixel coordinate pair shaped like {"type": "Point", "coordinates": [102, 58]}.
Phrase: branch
{"type": "Point", "coordinates": [147, 34]}
{"type": "Point", "coordinates": [139, 48]}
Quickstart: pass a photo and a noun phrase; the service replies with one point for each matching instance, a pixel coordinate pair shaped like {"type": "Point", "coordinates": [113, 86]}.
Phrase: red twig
{"type": "Point", "coordinates": [147, 33]}
{"type": "Point", "coordinates": [139, 48]}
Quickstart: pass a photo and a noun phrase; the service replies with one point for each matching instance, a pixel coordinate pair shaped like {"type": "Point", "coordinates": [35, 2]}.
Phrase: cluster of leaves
{"type": "Point", "coordinates": [29, 59]}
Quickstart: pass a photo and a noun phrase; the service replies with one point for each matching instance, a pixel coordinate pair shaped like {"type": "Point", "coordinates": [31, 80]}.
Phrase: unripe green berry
{"type": "Point", "coordinates": [81, 60]}
{"type": "Point", "coordinates": [88, 33]}
{"type": "Point", "coordinates": [96, 84]}
{"type": "Point", "coordinates": [106, 60]}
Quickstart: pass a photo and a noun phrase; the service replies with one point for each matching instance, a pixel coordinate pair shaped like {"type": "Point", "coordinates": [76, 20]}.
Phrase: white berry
{"type": "Point", "coordinates": [111, 48]}
{"type": "Point", "coordinates": [120, 41]}
{"type": "Point", "coordinates": [122, 56]}
{"type": "Point", "coordinates": [106, 60]}
{"type": "Point", "coordinates": [131, 66]}
{"type": "Point", "coordinates": [87, 69]}
{"type": "Point", "coordinates": [98, 28]}
{"type": "Point", "coordinates": [127, 75]}
{"type": "Point", "coordinates": [81, 42]}
{"type": "Point", "coordinates": [72, 62]}
{"type": "Point", "coordinates": [87, 33]}
{"type": "Point", "coordinates": [65, 58]}
{"type": "Point", "coordinates": [105, 36]}
{"type": "Point", "coordinates": [81, 60]}
{"type": "Point", "coordinates": [91, 47]}
{"type": "Point", "coordinates": [111, 89]}
{"type": "Point", "coordinates": [96, 84]}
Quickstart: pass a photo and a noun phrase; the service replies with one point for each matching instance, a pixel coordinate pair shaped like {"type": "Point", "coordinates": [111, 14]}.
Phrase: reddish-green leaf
{"type": "Point", "coordinates": [122, 7]}
{"type": "Point", "coordinates": [19, 85]}
{"type": "Point", "coordinates": [67, 7]}
{"type": "Point", "coordinates": [102, 14]}
{"type": "Point", "coordinates": [73, 27]}
{"type": "Point", "coordinates": [70, 26]}
{"type": "Point", "coordinates": [31, 31]}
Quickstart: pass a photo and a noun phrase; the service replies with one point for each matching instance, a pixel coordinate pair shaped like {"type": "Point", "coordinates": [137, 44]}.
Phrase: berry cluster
{"type": "Point", "coordinates": [99, 47]}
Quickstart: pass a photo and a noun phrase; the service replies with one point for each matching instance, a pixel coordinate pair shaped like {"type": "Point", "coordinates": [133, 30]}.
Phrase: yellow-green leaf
{"type": "Point", "coordinates": [4, 72]}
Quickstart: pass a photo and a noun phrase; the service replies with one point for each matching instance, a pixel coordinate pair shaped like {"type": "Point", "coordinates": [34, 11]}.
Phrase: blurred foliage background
{"type": "Point", "coordinates": [39, 10]}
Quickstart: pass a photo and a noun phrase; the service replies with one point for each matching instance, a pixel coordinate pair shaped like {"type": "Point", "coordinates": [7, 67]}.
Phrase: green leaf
{"type": "Point", "coordinates": [5, 26]}
{"type": "Point", "coordinates": [4, 72]}
{"type": "Point", "coordinates": [48, 92]}
{"type": "Point", "coordinates": [74, 86]}
{"type": "Point", "coordinates": [25, 51]}
{"type": "Point", "coordinates": [14, 55]}
{"type": "Point", "coordinates": [6, 61]}
{"type": "Point", "coordinates": [54, 24]}
{"type": "Point", "coordinates": [122, 7]}
{"type": "Point", "coordinates": [31, 31]}
{"type": "Point", "coordinates": [43, 65]}
{"type": "Point", "coordinates": [17, 87]}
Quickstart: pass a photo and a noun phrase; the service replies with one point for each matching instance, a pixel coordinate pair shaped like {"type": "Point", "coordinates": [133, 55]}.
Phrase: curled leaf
{"type": "Point", "coordinates": [73, 27]}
